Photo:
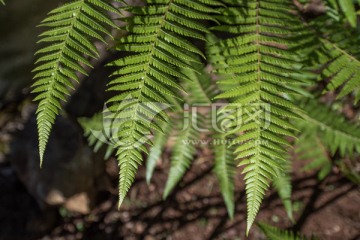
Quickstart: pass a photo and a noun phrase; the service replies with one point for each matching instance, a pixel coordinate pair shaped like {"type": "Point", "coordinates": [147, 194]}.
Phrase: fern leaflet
{"type": "Point", "coordinates": [225, 171]}
{"type": "Point", "coordinates": [334, 131]}
{"type": "Point", "coordinates": [156, 150]}
{"type": "Point", "coordinates": [273, 233]}
{"type": "Point", "coordinates": [97, 133]}
{"type": "Point", "coordinates": [342, 67]}
{"type": "Point", "coordinates": [201, 91]}
{"type": "Point", "coordinates": [282, 184]}
{"type": "Point", "coordinates": [323, 133]}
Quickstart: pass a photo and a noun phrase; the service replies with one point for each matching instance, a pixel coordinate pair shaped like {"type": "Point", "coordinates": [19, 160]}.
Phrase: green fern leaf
{"type": "Point", "coordinates": [66, 54]}
{"type": "Point", "coordinates": [273, 233]}
{"type": "Point", "coordinates": [348, 8]}
{"type": "Point", "coordinates": [282, 184]}
{"type": "Point", "coordinates": [310, 147]}
{"type": "Point", "coordinates": [342, 69]}
{"type": "Point", "coordinates": [225, 171]}
{"type": "Point", "coordinates": [339, 56]}
{"type": "Point", "coordinates": [262, 74]}
{"type": "Point", "coordinates": [325, 132]}
{"type": "Point", "coordinates": [147, 81]}
{"type": "Point", "coordinates": [182, 155]}
{"type": "Point", "coordinates": [334, 131]}
{"type": "Point", "coordinates": [97, 134]}
{"type": "Point", "coordinates": [156, 150]}
{"type": "Point", "coordinates": [200, 92]}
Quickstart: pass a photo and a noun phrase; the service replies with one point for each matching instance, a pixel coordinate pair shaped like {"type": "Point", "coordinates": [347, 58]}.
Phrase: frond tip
{"type": "Point", "coordinates": [273, 233]}
{"type": "Point", "coordinates": [97, 132]}
{"type": "Point", "coordinates": [65, 55]}
{"type": "Point", "coordinates": [225, 171]}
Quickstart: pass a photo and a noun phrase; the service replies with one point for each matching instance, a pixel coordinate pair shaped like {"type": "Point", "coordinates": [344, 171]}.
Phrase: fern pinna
{"type": "Point", "coordinates": [71, 26]}
{"type": "Point", "coordinates": [274, 233]}
{"type": "Point", "coordinates": [325, 134]}
{"type": "Point", "coordinates": [340, 57]}
{"type": "Point", "coordinates": [261, 72]}
{"type": "Point", "coordinates": [147, 81]}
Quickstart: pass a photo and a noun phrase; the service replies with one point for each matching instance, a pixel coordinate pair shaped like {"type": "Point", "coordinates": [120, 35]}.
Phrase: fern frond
{"type": "Point", "coordinates": [274, 233]}
{"type": "Point", "coordinates": [325, 132]}
{"type": "Point", "coordinates": [310, 147]}
{"type": "Point", "coordinates": [66, 53]}
{"type": "Point", "coordinates": [96, 133]}
{"type": "Point", "coordinates": [262, 74]}
{"type": "Point", "coordinates": [350, 171]}
{"type": "Point", "coordinates": [201, 88]}
{"type": "Point", "coordinates": [282, 184]}
{"type": "Point", "coordinates": [156, 150]}
{"type": "Point", "coordinates": [2, 2]}
{"type": "Point", "coordinates": [183, 153]}
{"type": "Point", "coordinates": [147, 81]}
{"type": "Point", "coordinates": [225, 171]}
{"type": "Point", "coordinates": [339, 56]}
{"type": "Point", "coordinates": [201, 91]}
{"type": "Point", "coordinates": [331, 127]}
{"type": "Point", "coordinates": [342, 69]}
{"type": "Point", "coordinates": [348, 9]}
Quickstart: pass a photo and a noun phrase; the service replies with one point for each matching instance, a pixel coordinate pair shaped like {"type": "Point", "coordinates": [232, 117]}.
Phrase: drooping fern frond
{"type": "Point", "coordinates": [159, 142]}
{"type": "Point", "coordinates": [262, 72]}
{"type": "Point", "coordinates": [274, 233]}
{"type": "Point", "coordinates": [147, 81]}
{"type": "Point", "coordinates": [97, 133]}
{"type": "Point", "coordinates": [342, 69]}
{"type": "Point", "coordinates": [200, 91]}
{"type": "Point", "coordinates": [332, 128]}
{"type": "Point", "coordinates": [348, 9]}
{"type": "Point", "coordinates": [225, 170]}
{"type": "Point", "coordinates": [282, 184]}
{"type": "Point", "coordinates": [350, 171]}
{"type": "Point", "coordinates": [310, 147]}
{"type": "Point", "coordinates": [65, 55]}
{"type": "Point", "coordinates": [182, 153]}
{"type": "Point", "coordinates": [325, 132]}
{"type": "Point", "coordinates": [339, 56]}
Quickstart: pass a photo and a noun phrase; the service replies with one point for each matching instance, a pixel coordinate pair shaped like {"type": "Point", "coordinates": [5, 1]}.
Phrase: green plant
{"type": "Point", "coordinates": [265, 56]}
{"type": "Point", "coordinates": [273, 233]}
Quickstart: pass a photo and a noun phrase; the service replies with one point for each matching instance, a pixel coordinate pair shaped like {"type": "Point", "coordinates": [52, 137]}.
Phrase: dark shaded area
{"type": "Point", "coordinates": [194, 209]}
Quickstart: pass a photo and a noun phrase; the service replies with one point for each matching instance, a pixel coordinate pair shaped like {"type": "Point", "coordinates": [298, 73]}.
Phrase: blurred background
{"type": "Point", "coordinates": [74, 195]}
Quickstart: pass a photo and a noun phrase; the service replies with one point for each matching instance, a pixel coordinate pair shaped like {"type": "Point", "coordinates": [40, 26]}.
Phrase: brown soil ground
{"type": "Point", "coordinates": [329, 209]}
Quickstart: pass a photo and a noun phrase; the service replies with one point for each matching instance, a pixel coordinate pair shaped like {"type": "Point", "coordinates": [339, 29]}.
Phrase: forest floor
{"type": "Point", "coordinates": [329, 209]}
